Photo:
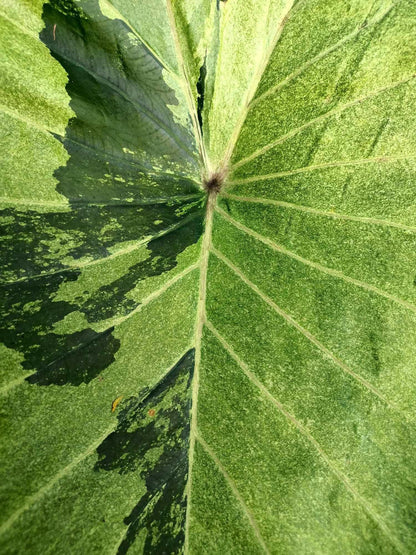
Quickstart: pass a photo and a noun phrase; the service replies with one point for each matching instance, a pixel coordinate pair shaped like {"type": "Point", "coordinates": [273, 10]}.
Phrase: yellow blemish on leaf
{"type": "Point", "coordinates": [115, 403]}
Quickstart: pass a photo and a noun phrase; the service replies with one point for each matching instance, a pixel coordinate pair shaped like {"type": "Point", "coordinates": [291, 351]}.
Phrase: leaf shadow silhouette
{"type": "Point", "coordinates": [125, 180]}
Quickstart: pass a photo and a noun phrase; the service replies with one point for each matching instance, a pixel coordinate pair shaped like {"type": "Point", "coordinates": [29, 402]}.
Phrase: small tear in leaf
{"type": "Point", "coordinates": [115, 403]}
{"type": "Point", "coordinates": [54, 32]}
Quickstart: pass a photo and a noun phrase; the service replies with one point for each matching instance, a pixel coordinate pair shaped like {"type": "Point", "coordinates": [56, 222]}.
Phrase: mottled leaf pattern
{"type": "Point", "coordinates": [193, 371]}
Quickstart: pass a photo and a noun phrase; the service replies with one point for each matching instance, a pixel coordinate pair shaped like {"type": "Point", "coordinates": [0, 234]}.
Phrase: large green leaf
{"type": "Point", "coordinates": [191, 371]}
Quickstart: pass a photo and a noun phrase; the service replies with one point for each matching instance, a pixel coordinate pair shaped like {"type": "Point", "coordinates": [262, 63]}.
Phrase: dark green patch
{"type": "Point", "coordinates": [111, 299]}
{"type": "Point", "coordinates": [156, 422]}
{"type": "Point", "coordinates": [29, 314]}
{"type": "Point", "coordinates": [36, 243]}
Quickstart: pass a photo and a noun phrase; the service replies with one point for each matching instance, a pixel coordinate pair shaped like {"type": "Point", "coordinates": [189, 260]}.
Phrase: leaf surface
{"type": "Point", "coordinates": [195, 372]}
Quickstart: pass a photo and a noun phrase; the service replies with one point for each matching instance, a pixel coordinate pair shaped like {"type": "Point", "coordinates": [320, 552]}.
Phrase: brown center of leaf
{"type": "Point", "coordinates": [214, 182]}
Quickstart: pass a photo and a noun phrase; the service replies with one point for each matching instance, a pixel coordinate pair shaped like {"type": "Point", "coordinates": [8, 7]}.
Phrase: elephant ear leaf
{"type": "Point", "coordinates": [208, 276]}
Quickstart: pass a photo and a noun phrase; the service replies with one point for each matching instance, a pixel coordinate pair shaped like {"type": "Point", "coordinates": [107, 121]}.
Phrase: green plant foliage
{"type": "Point", "coordinates": [208, 216]}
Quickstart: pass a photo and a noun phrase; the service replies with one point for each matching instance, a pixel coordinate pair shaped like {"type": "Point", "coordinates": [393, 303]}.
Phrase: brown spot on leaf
{"type": "Point", "coordinates": [115, 403]}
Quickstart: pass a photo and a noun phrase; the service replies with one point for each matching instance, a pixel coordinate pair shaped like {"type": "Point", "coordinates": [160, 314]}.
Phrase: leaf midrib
{"type": "Point", "coordinates": [199, 326]}
{"type": "Point", "coordinates": [206, 247]}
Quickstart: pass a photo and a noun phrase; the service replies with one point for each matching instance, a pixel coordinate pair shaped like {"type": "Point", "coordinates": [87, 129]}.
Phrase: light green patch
{"type": "Point", "coordinates": [75, 321]}
{"type": "Point", "coordinates": [11, 368]}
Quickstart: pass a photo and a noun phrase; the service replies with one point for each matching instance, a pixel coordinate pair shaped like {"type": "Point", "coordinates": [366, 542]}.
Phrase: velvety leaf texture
{"type": "Point", "coordinates": [208, 238]}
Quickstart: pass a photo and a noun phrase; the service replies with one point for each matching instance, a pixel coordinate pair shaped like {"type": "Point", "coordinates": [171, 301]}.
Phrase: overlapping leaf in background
{"type": "Point", "coordinates": [265, 360]}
